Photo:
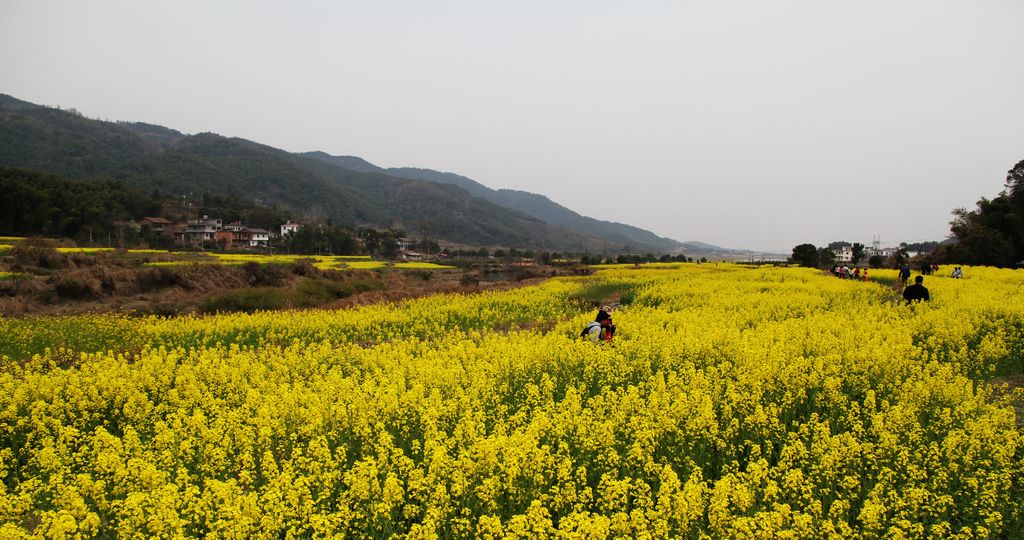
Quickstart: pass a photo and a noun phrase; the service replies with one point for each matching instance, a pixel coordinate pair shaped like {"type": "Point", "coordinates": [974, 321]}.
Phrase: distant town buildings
{"type": "Point", "coordinates": [844, 254]}
{"type": "Point", "coordinates": [212, 232]}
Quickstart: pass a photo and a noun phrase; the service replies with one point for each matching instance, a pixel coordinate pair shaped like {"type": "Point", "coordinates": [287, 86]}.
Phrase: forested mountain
{"type": "Point", "coordinates": [40, 203]}
{"type": "Point", "coordinates": [345, 190]}
{"type": "Point", "coordinates": [15, 104]}
{"type": "Point", "coordinates": [528, 203]}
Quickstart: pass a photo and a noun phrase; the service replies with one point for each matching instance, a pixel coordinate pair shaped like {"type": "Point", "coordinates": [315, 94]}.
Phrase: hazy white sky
{"type": "Point", "coordinates": [748, 124]}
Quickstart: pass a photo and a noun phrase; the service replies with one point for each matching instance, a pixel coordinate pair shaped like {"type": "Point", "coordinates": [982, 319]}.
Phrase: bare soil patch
{"type": "Point", "coordinates": [1014, 384]}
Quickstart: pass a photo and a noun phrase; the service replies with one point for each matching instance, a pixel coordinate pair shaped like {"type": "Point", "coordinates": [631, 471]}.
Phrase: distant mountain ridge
{"type": "Point", "coordinates": [344, 189]}
{"type": "Point", "coordinates": [528, 203]}
{"type": "Point", "coordinates": [15, 104]}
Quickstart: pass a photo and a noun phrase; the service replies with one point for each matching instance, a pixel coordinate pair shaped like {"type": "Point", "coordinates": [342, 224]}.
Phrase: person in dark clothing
{"type": "Point", "coordinates": [904, 274]}
{"type": "Point", "coordinates": [916, 291]}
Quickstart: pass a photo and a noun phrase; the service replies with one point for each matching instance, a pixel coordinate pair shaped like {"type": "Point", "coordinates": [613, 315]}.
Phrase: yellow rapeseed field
{"type": "Point", "coordinates": [323, 262]}
{"type": "Point", "coordinates": [364, 265]}
{"type": "Point", "coordinates": [734, 402]}
{"type": "Point", "coordinates": [422, 265]}
{"type": "Point", "coordinates": [83, 249]}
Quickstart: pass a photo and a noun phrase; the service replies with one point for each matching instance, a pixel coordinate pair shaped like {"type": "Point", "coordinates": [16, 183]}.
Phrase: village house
{"type": "Point", "coordinates": [844, 254]}
{"type": "Point", "coordinates": [155, 225]}
{"type": "Point", "coordinates": [202, 230]}
{"type": "Point", "coordinates": [289, 228]}
{"type": "Point", "coordinates": [410, 256]}
{"type": "Point", "coordinates": [238, 236]}
{"type": "Point", "coordinates": [258, 237]}
{"type": "Point", "coordinates": [233, 236]}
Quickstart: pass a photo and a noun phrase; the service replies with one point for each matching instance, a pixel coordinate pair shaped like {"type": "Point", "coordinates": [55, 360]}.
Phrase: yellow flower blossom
{"type": "Point", "coordinates": [734, 402]}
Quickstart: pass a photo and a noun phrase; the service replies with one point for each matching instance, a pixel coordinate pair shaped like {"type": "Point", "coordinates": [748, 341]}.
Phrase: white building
{"type": "Point", "coordinates": [411, 255]}
{"type": "Point", "coordinates": [260, 237]}
{"type": "Point", "coordinates": [289, 228]}
{"type": "Point", "coordinates": [844, 254]}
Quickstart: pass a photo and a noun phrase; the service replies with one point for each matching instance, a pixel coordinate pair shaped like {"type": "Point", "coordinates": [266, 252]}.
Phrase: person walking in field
{"type": "Point", "coordinates": [916, 292]}
{"type": "Point", "coordinates": [904, 274]}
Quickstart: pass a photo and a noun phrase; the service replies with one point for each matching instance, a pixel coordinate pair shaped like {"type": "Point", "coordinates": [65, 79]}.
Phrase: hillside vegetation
{"type": "Point", "coordinates": [158, 159]}
{"type": "Point", "coordinates": [531, 204]}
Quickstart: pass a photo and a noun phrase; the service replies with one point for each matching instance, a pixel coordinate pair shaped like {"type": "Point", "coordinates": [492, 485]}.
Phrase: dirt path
{"type": "Point", "coordinates": [1013, 383]}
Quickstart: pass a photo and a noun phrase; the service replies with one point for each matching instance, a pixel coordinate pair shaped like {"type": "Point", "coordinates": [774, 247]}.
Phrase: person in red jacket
{"type": "Point", "coordinates": [605, 314]}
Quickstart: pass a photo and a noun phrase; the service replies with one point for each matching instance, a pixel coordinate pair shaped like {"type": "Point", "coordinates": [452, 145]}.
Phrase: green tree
{"type": "Point", "coordinates": [805, 255]}
{"type": "Point", "coordinates": [993, 233]}
{"type": "Point", "coordinates": [313, 240]}
{"type": "Point", "coordinates": [826, 258]}
{"type": "Point", "coordinates": [901, 257]}
{"type": "Point", "coordinates": [858, 253]}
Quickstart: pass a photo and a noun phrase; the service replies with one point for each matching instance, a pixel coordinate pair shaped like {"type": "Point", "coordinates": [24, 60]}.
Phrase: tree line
{"type": "Point", "coordinates": [36, 203]}
{"type": "Point", "coordinates": [992, 234]}
{"type": "Point", "coordinates": [43, 204]}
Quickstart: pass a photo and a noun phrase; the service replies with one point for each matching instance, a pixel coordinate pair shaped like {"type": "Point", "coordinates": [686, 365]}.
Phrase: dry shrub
{"type": "Point", "coordinates": [21, 287]}
{"type": "Point", "coordinates": [11, 306]}
{"type": "Point", "coordinates": [522, 273]}
{"type": "Point", "coordinates": [470, 279]}
{"type": "Point", "coordinates": [82, 260]}
{"type": "Point", "coordinates": [305, 268]}
{"type": "Point", "coordinates": [209, 277]}
{"type": "Point", "coordinates": [32, 254]}
{"type": "Point", "coordinates": [156, 278]}
{"type": "Point", "coordinates": [266, 275]}
{"type": "Point", "coordinates": [77, 286]}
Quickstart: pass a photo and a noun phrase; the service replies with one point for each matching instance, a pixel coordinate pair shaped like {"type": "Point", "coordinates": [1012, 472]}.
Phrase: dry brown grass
{"type": "Point", "coordinates": [104, 282]}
